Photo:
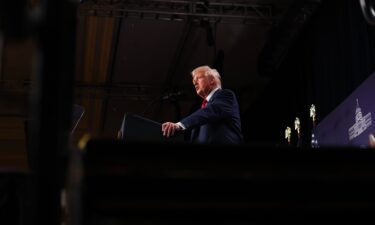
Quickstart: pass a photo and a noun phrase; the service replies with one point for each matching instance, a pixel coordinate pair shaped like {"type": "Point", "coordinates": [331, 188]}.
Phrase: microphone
{"type": "Point", "coordinates": [169, 96]}
{"type": "Point", "coordinates": [172, 95]}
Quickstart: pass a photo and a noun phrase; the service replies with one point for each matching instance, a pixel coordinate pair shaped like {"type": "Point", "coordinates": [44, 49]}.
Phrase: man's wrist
{"type": "Point", "coordinates": [181, 125]}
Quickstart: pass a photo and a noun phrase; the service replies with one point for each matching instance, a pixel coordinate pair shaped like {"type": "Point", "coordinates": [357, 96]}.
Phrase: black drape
{"type": "Point", "coordinates": [334, 54]}
{"type": "Point", "coordinates": [344, 52]}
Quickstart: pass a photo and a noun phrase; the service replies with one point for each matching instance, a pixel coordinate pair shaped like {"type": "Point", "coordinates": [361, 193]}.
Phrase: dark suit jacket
{"type": "Point", "coordinates": [218, 123]}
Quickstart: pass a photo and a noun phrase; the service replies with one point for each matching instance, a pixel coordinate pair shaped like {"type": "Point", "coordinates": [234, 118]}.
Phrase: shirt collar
{"type": "Point", "coordinates": [211, 93]}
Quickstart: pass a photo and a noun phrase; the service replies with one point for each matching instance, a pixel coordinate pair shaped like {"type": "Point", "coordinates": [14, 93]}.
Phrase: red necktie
{"type": "Point", "coordinates": [204, 103]}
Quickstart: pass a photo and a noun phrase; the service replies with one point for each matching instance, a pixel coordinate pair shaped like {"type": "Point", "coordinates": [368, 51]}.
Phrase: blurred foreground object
{"type": "Point", "coordinates": [368, 11]}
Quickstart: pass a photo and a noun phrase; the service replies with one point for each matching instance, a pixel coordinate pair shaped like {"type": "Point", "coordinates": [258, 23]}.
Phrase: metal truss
{"type": "Point", "coordinates": [248, 13]}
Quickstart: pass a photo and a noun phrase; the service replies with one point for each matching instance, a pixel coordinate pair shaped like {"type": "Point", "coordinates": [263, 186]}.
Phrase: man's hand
{"type": "Point", "coordinates": [169, 128]}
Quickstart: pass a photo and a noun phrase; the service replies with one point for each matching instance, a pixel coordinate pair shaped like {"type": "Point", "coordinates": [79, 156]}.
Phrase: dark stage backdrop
{"type": "Point", "coordinates": [334, 53]}
{"type": "Point", "coordinates": [351, 123]}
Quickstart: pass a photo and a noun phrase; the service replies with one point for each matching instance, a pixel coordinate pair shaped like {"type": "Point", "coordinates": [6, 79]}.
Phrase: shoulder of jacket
{"type": "Point", "coordinates": [226, 91]}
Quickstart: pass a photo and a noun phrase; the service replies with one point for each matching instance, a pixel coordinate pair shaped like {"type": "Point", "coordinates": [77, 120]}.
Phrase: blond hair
{"type": "Point", "coordinates": [208, 71]}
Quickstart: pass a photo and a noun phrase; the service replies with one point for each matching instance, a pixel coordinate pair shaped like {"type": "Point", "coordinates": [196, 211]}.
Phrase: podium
{"type": "Point", "coordinates": [135, 128]}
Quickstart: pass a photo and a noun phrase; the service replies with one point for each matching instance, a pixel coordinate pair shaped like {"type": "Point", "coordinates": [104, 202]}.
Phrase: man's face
{"type": "Point", "coordinates": [203, 84]}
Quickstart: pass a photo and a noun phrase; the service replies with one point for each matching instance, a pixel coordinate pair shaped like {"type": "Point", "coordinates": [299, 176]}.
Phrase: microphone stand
{"type": "Point", "coordinates": [170, 97]}
{"type": "Point", "coordinates": [151, 105]}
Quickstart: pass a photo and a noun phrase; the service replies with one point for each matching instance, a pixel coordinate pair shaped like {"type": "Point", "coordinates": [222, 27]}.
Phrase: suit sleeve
{"type": "Point", "coordinates": [219, 108]}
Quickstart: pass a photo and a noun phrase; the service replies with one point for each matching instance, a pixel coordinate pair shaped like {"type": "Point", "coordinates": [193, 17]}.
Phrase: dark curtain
{"type": "Point", "coordinates": [334, 54]}
{"type": "Point", "coordinates": [344, 52]}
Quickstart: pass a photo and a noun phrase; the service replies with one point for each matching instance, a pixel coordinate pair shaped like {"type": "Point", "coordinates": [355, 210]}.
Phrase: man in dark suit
{"type": "Point", "coordinates": [218, 121]}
